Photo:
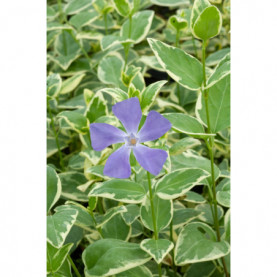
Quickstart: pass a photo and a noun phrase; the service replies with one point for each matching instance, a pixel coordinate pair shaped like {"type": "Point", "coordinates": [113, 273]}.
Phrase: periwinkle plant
{"type": "Point", "coordinates": [137, 180]}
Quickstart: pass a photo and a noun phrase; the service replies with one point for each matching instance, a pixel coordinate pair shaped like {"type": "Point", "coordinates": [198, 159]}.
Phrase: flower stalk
{"type": "Point", "coordinates": [210, 145]}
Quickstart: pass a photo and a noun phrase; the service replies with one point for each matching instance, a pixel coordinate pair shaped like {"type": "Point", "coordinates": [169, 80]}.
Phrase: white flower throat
{"type": "Point", "coordinates": [131, 140]}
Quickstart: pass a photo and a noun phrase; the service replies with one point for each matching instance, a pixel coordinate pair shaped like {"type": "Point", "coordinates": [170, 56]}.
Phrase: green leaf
{"type": "Point", "coordinates": [83, 219]}
{"type": "Point", "coordinates": [214, 58]}
{"type": "Point", "coordinates": [75, 6]}
{"type": "Point", "coordinates": [53, 26]}
{"type": "Point", "coordinates": [120, 190]}
{"type": "Point", "coordinates": [71, 83]}
{"type": "Point", "coordinates": [54, 83]}
{"type": "Point", "coordinates": [157, 249]}
{"type": "Point", "coordinates": [223, 193]}
{"type": "Point", "coordinates": [163, 213]}
{"type": "Point", "coordinates": [70, 181]}
{"type": "Point", "coordinates": [149, 95]}
{"type": "Point", "coordinates": [106, 257]}
{"type": "Point", "coordinates": [133, 212]}
{"type": "Point", "coordinates": [178, 22]}
{"type": "Point", "coordinates": [54, 187]}
{"type": "Point", "coordinates": [75, 120]}
{"type": "Point", "coordinates": [122, 7]}
{"type": "Point", "coordinates": [180, 66]}
{"type": "Point", "coordinates": [198, 7]}
{"type": "Point", "coordinates": [194, 197]}
{"type": "Point", "coordinates": [96, 108]}
{"type": "Point", "coordinates": [183, 145]}
{"type": "Point", "coordinates": [206, 213]}
{"type": "Point", "coordinates": [141, 23]}
{"type": "Point", "coordinates": [191, 159]}
{"type": "Point", "coordinates": [197, 243]}
{"type": "Point", "coordinates": [221, 70]}
{"type": "Point", "coordinates": [170, 3]}
{"type": "Point", "coordinates": [137, 228]}
{"type": "Point", "coordinates": [109, 69]}
{"type": "Point", "coordinates": [56, 257]}
{"type": "Point", "coordinates": [64, 61]}
{"type": "Point", "coordinates": [65, 44]}
{"type": "Point", "coordinates": [139, 271]}
{"type": "Point", "coordinates": [219, 106]}
{"type": "Point", "coordinates": [227, 227]}
{"type": "Point", "coordinates": [102, 219]}
{"type": "Point", "coordinates": [183, 215]}
{"type": "Point", "coordinates": [116, 93]}
{"type": "Point", "coordinates": [83, 18]}
{"type": "Point", "coordinates": [208, 24]}
{"type": "Point", "coordinates": [177, 183]}
{"type": "Point", "coordinates": [59, 225]}
{"type": "Point", "coordinates": [116, 228]}
{"type": "Point", "coordinates": [186, 124]}
{"type": "Point", "coordinates": [200, 269]}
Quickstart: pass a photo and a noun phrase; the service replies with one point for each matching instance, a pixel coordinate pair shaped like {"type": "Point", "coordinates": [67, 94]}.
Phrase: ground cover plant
{"type": "Point", "coordinates": [138, 138]}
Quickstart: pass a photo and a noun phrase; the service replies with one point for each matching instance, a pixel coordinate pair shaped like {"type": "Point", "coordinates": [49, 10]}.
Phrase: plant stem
{"type": "Point", "coordinates": [56, 136]}
{"type": "Point", "coordinates": [127, 47]}
{"type": "Point", "coordinates": [74, 266]}
{"type": "Point", "coordinates": [153, 216]}
{"type": "Point", "coordinates": [172, 251]}
{"type": "Point", "coordinates": [177, 38]}
{"type": "Point", "coordinates": [210, 144]}
{"type": "Point", "coordinates": [106, 23]}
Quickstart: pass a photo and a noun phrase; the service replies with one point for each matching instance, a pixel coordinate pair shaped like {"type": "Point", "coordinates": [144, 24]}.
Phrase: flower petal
{"type": "Point", "coordinates": [154, 127]}
{"type": "Point", "coordinates": [102, 135]}
{"type": "Point", "coordinates": [118, 164]}
{"type": "Point", "coordinates": [129, 113]}
{"type": "Point", "coordinates": [150, 159]}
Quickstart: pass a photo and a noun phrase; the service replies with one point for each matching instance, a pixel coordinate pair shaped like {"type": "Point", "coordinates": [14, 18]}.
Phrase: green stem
{"type": "Point", "coordinates": [93, 218]}
{"type": "Point", "coordinates": [153, 216]}
{"type": "Point", "coordinates": [172, 251]}
{"type": "Point", "coordinates": [74, 266]}
{"type": "Point", "coordinates": [127, 47]}
{"type": "Point", "coordinates": [106, 23]}
{"type": "Point", "coordinates": [56, 136]}
{"type": "Point", "coordinates": [177, 38]}
{"type": "Point", "coordinates": [210, 143]}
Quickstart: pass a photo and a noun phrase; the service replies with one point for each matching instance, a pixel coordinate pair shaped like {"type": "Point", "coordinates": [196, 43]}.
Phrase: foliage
{"type": "Point", "coordinates": [174, 57]}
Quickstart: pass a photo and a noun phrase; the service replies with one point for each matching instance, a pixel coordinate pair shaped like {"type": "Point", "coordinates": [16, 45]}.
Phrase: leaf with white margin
{"type": "Point", "coordinates": [149, 95]}
{"type": "Point", "coordinates": [106, 257]}
{"type": "Point", "coordinates": [102, 219]}
{"type": "Point", "coordinates": [122, 7]}
{"type": "Point", "coordinates": [75, 6]}
{"type": "Point", "coordinates": [139, 271]}
{"type": "Point", "coordinates": [133, 212]}
{"type": "Point", "coordinates": [180, 66]}
{"type": "Point", "coordinates": [207, 24]}
{"type": "Point", "coordinates": [121, 190]}
{"type": "Point", "coordinates": [84, 18]}
{"type": "Point", "coordinates": [186, 124]}
{"type": "Point", "coordinates": [197, 243]}
{"type": "Point", "coordinates": [221, 70]}
{"type": "Point", "coordinates": [177, 183]}
{"type": "Point", "coordinates": [223, 193]}
{"type": "Point", "coordinates": [109, 69]}
{"type": "Point", "coordinates": [59, 225]}
{"type": "Point", "coordinates": [71, 83]}
{"type": "Point", "coordinates": [64, 270]}
{"type": "Point", "coordinates": [75, 120]}
{"type": "Point", "coordinates": [116, 228]}
{"type": "Point", "coordinates": [206, 213]}
{"type": "Point", "coordinates": [141, 23]}
{"type": "Point", "coordinates": [194, 197]}
{"type": "Point", "coordinates": [137, 228]}
{"type": "Point", "coordinates": [56, 256]}
{"type": "Point", "coordinates": [191, 159]}
{"type": "Point", "coordinates": [200, 269]}
{"type": "Point", "coordinates": [116, 93]}
{"type": "Point", "coordinates": [214, 58]}
{"type": "Point", "coordinates": [183, 216]}
{"type": "Point", "coordinates": [54, 83]}
{"type": "Point", "coordinates": [227, 227]}
{"type": "Point", "coordinates": [152, 62]}
{"type": "Point", "coordinates": [170, 3]}
{"type": "Point", "coordinates": [163, 209]}
{"type": "Point", "coordinates": [198, 7]}
{"type": "Point", "coordinates": [183, 145]}
{"type": "Point", "coordinates": [157, 249]}
{"type": "Point", "coordinates": [219, 106]}
{"type": "Point", "coordinates": [54, 187]}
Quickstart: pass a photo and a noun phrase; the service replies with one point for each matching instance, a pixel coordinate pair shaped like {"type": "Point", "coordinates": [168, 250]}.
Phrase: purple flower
{"type": "Point", "coordinates": [129, 113]}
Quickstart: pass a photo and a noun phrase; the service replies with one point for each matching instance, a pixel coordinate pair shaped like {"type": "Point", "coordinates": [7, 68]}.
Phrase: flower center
{"type": "Point", "coordinates": [131, 140]}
